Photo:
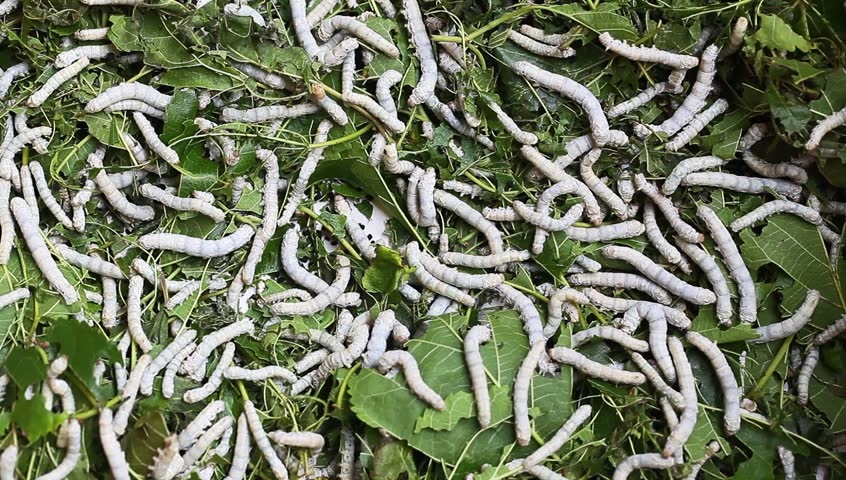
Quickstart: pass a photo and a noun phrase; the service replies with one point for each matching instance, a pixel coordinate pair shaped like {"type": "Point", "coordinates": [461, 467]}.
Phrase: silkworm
{"type": "Point", "coordinates": [445, 113]}
{"type": "Point", "coordinates": [639, 100]}
{"type": "Point", "coordinates": [606, 233]}
{"type": "Point", "coordinates": [735, 39]}
{"type": "Point", "coordinates": [181, 203]}
{"type": "Point", "coordinates": [562, 300]}
{"type": "Point", "coordinates": [195, 427]}
{"type": "Point", "coordinates": [310, 440]}
{"type": "Point", "coordinates": [215, 379]}
{"type": "Point", "coordinates": [539, 48]}
{"type": "Point", "coordinates": [715, 277]}
{"type": "Point", "coordinates": [473, 217]}
{"type": "Point", "coordinates": [788, 462]}
{"type": "Point", "coordinates": [785, 328]}
{"type": "Point", "coordinates": [722, 370]}
{"type": "Point", "coordinates": [621, 280]}
{"type": "Point", "coordinates": [358, 29]}
{"type": "Point", "coordinates": [647, 54]}
{"type": "Point", "coordinates": [522, 381]}
{"type": "Point", "coordinates": [133, 313]}
{"type": "Point", "coordinates": [696, 125]}
{"type": "Point", "coordinates": [485, 261]}
{"type": "Point", "coordinates": [164, 358]}
{"type": "Point", "coordinates": [69, 437]}
{"type": "Point", "coordinates": [498, 214]}
{"type": "Point", "coordinates": [831, 331]}
{"type": "Point", "coordinates": [319, 12]}
{"type": "Point", "coordinates": [321, 300]}
{"type": "Point", "coordinates": [457, 278]}
{"type": "Point", "coordinates": [424, 52]}
{"type": "Point", "coordinates": [567, 184]}
{"type": "Point", "coordinates": [262, 442]}
{"type": "Point", "coordinates": [411, 371]}
{"type": "Point", "coordinates": [197, 247]}
{"type": "Point", "coordinates": [167, 462]}
{"type": "Point", "coordinates": [774, 170]}
{"type": "Point", "coordinates": [594, 369]}
{"type": "Point", "coordinates": [657, 239]}
{"type": "Point", "coordinates": [298, 189]}
{"type": "Point", "coordinates": [40, 252]}
{"type": "Point", "coordinates": [151, 276]}
{"type": "Point", "coordinates": [824, 126]}
{"type": "Point", "coordinates": [330, 106]}
{"type": "Point", "coordinates": [153, 141]}
{"type": "Point", "coordinates": [111, 447]}
{"type": "Point", "coordinates": [205, 441]}
{"type": "Point", "coordinates": [573, 90]}
{"type": "Point", "coordinates": [135, 106]}
{"type": "Point", "coordinates": [639, 462]}
{"type": "Point", "coordinates": [63, 390]}
{"type": "Point", "coordinates": [686, 167]}
{"type": "Point", "coordinates": [269, 220]}
{"type": "Point", "coordinates": [116, 198]}
{"type": "Point", "coordinates": [608, 332]}
{"type": "Point", "coordinates": [194, 365]}
{"type": "Point", "coordinates": [6, 7]}
{"type": "Point", "coordinates": [302, 25]}
{"type": "Point", "coordinates": [540, 35]}
{"type": "Point", "coordinates": [383, 89]}
{"type": "Point", "coordinates": [657, 381]}
{"type": "Point", "coordinates": [46, 195]}
{"type": "Point", "coordinates": [173, 367]}
{"type": "Point", "coordinates": [773, 207]}
{"type": "Point", "coordinates": [378, 342]}
{"type": "Point", "coordinates": [241, 455]}
{"type": "Point", "coordinates": [803, 379]}
{"type": "Point", "coordinates": [466, 189]}
{"type": "Point", "coordinates": [8, 169]}
{"type": "Point", "coordinates": [185, 293]}
{"type": "Point", "coordinates": [426, 198]}
{"type": "Point", "coordinates": [57, 80]}
{"type": "Point", "coordinates": [91, 52]}
{"type": "Point", "coordinates": [267, 113]}
{"type": "Point", "coordinates": [292, 266]}
{"type": "Point", "coordinates": [272, 80]}
{"type": "Point", "coordinates": [602, 191]}
{"type": "Point", "coordinates": [528, 313]}
{"type": "Point", "coordinates": [128, 91]}
{"type": "Point", "coordinates": [430, 282]}
{"type": "Point", "coordinates": [13, 297]}
{"type": "Point", "coordinates": [743, 184]}
{"type": "Point", "coordinates": [657, 322]}
{"type": "Point", "coordinates": [129, 393]}
{"type": "Point", "coordinates": [247, 11]}
{"type": "Point", "coordinates": [9, 457]}
{"type": "Point", "coordinates": [28, 192]}
{"type": "Point", "coordinates": [748, 310]}
{"type": "Point", "coordinates": [687, 385]}
{"type": "Point", "coordinates": [90, 34]}
{"type": "Point", "coordinates": [476, 370]}
{"type": "Point", "coordinates": [260, 374]}
{"type": "Point", "coordinates": [671, 213]}
{"type": "Point", "coordinates": [391, 162]}
{"type": "Point", "coordinates": [560, 438]}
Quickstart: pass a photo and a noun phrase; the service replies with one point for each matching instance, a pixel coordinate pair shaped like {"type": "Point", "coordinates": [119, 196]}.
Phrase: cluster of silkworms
{"type": "Point", "coordinates": [643, 252]}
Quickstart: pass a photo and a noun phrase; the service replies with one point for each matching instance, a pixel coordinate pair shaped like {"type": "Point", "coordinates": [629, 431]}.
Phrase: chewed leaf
{"type": "Point", "coordinates": [34, 419]}
{"type": "Point", "coordinates": [776, 34]}
{"type": "Point", "coordinates": [83, 345]}
{"type": "Point", "coordinates": [458, 405]}
{"type": "Point", "coordinates": [386, 272]}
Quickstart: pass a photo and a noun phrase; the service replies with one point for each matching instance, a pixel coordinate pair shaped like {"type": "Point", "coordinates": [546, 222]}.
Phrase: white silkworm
{"type": "Point", "coordinates": [540, 35]}
{"type": "Point", "coordinates": [242, 10]}
{"type": "Point", "coordinates": [384, 117]}
{"type": "Point", "coordinates": [560, 438]}
{"type": "Point", "coordinates": [241, 454]}
{"type": "Point", "coordinates": [785, 328]}
{"type": "Point", "coordinates": [688, 166]}
{"type": "Point", "coordinates": [621, 280]}
{"type": "Point", "coordinates": [687, 385]}
{"type": "Point", "coordinates": [194, 365]}
{"type": "Point", "coordinates": [8, 169]}
{"type": "Point", "coordinates": [722, 370]}
{"type": "Point", "coordinates": [70, 436]}
{"type": "Point", "coordinates": [735, 39]}
{"type": "Point", "coordinates": [310, 440]}
{"type": "Point", "coordinates": [657, 322]}
{"type": "Point", "coordinates": [57, 366]}
{"type": "Point", "coordinates": [657, 381]}
{"type": "Point", "coordinates": [358, 29]}
{"type": "Point", "coordinates": [378, 342]}
{"type": "Point", "coordinates": [457, 278]}
{"type": "Point", "coordinates": [347, 453]}
{"type": "Point", "coordinates": [6, 78]}
{"type": "Point", "coordinates": [498, 214]}
{"type": "Point", "coordinates": [9, 458]}
{"type": "Point", "coordinates": [57, 80]}
{"type": "Point", "coordinates": [164, 358]}
{"type": "Point", "coordinates": [580, 145]}
{"type": "Point", "coordinates": [715, 277]}
{"type": "Point", "coordinates": [89, 34]}
{"type": "Point", "coordinates": [606, 233]}
{"type": "Point", "coordinates": [773, 207]}
{"type": "Point", "coordinates": [473, 217]}
{"type": "Point", "coordinates": [115, 197]}
{"type": "Point", "coordinates": [262, 442]}
{"type": "Point", "coordinates": [40, 252]}
{"type": "Point", "coordinates": [392, 163]}
{"type": "Point", "coordinates": [63, 390]}
{"type": "Point", "coordinates": [528, 313]}
{"type": "Point", "coordinates": [46, 195]}
{"type": "Point", "coordinates": [173, 367]}
{"type": "Point", "coordinates": [168, 462]}
{"type": "Point", "coordinates": [430, 282]}
{"type": "Point", "coordinates": [522, 382]}
{"type": "Point", "coordinates": [831, 331]}
{"type": "Point", "coordinates": [298, 189]}
{"type": "Point", "coordinates": [588, 263]}
{"type": "Point", "coordinates": [602, 191]}
{"type": "Point", "coordinates": [445, 113]}
{"type": "Point", "coordinates": [485, 261]}
{"type": "Point", "coordinates": [424, 52]}
{"type": "Point", "coordinates": [466, 189]}
{"type": "Point", "coordinates": [383, 89]}
{"type": "Point", "coordinates": [183, 294]}
{"type": "Point", "coordinates": [330, 106]}
{"type": "Point", "coordinates": [270, 79]}
{"type": "Point", "coordinates": [215, 379]}
{"type": "Point", "coordinates": [268, 223]}
{"type": "Point", "coordinates": [6, 7]}
{"type": "Point", "coordinates": [28, 191]}
{"type": "Point", "coordinates": [197, 247]}
{"type": "Point", "coordinates": [566, 184]}
{"type": "Point", "coordinates": [738, 271]}
{"type": "Point", "coordinates": [639, 100]}
{"type": "Point", "coordinates": [538, 48]}
{"type": "Point", "coordinates": [302, 25]}
{"type": "Point", "coordinates": [89, 262]}
{"type": "Point", "coordinates": [13, 297]}
{"type": "Point", "coordinates": [639, 462]}
{"type": "Point", "coordinates": [181, 203]}
{"type": "Point", "coordinates": [803, 380]}
{"type": "Point", "coordinates": [153, 141]}
{"type": "Point", "coordinates": [129, 393]}
{"type": "Point", "coordinates": [788, 462]}
{"type": "Point", "coordinates": [657, 239]}
{"type": "Point", "coordinates": [321, 300]}
{"type": "Point", "coordinates": [671, 213]}
{"type": "Point", "coordinates": [292, 266]}
{"type": "Point", "coordinates": [696, 125]}
{"type": "Point", "coordinates": [476, 370]}
{"type": "Point", "coordinates": [647, 54]}
{"type": "Point", "coordinates": [319, 12]}
{"type": "Point", "coordinates": [561, 301]}
{"type": "Point", "coordinates": [327, 340]}
{"type": "Point", "coordinates": [774, 170]}
{"type": "Point", "coordinates": [133, 313]}
{"type": "Point", "coordinates": [135, 106]}
{"type": "Point", "coordinates": [594, 369]}
{"type": "Point", "coordinates": [111, 447]}
{"type": "Point", "coordinates": [195, 427]}
{"type": "Point", "coordinates": [91, 52]}
{"type": "Point", "coordinates": [573, 90]}
{"type": "Point", "coordinates": [260, 374]}
{"type": "Point", "coordinates": [411, 371]}
{"type": "Point", "coordinates": [824, 126]}
{"type": "Point", "coordinates": [608, 332]}
{"type": "Point", "coordinates": [657, 274]}
{"type": "Point", "coordinates": [205, 441]}
{"type": "Point", "coordinates": [271, 112]}
{"type": "Point", "coordinates": [426, 198]}
{"type": "Point", "coordinates": [674, 316]}
{"type": "Point", "coordinates": [129, 91]}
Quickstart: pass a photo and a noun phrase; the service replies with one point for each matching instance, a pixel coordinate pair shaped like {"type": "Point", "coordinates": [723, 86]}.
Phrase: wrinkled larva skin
{"type": "Point", "coordinates": [731, 392]}
{"type": "Point", "coordinates": [411, 372]}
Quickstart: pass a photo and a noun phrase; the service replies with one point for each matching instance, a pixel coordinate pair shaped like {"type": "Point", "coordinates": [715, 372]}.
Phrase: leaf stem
{"type": "Point", "coordinates": [779, 356]}
{"type": "Point", "coordinates": [342, 390]}
{"type": "Point", "coordinates": [329, 227]}
{"type": "Point", "coordinates": [344, 139]}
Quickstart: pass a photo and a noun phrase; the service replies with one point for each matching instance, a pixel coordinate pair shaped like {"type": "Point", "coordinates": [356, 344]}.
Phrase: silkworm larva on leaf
{"type": "Point", "coordinates": [647, 54]}
{"type": "Point", "coordinates": [685, 167]}
{"type": "Point", "coordinates": [466, 189]}
{"type": "Point", "coordinates": [539, 48]}
{"type": "Point", "coordinates": [70, 437]}
{"type": "Point", "coordinates": [56, 81]}
{"type": "Point", "coordinates": [476, 370]}
{"type": "Point", "coordinates": [722, 370]}
{"type": "Point", "coordinates": [360, 30]}
{"type": "Point", "coordinates": [540, 35]}
{"type": "Point", "coordinates": [608, 332]}
{"type": "Point", "coordinates": [133, 313]}
{"type": "Point", "coordinates": [263, 443]}
{"type": "Point", "coordinates": [671, 213]}
{"type": "Point", "coordinates": [424, 52]}
{"type": "Point", "coordinates": [8, 460]}
{"type": "Point", "coordinates": [46, 195]}
{"type": "Point", "coordinates": [243, 10]}
{"type": "Point", "coordinates": [560, 438]}
{"type": "Point", "coordinates": [426, 198]}
{"type": "Point", "coordinates": [201, 421]}
{"type": "Point", "coordinates": [40, 252]}
{"type": "Point", "coordinates": [63, 390]}
{"type": "Point", "coordinates": [657, 322]}
{"type": "Point", "coordinates": [270, 79]}
{"type": "Point", "coordinates": [803, 380]}
{"type": "Point", "coordinates": [773, 207]}
{"type": "Point", "coordinates": [602, 191]}
{"type": "Point", "coordinates": [411, 371]}
{"type": "Point", "coordinates": [562, 300]}
{"type": "Point", "coordinates": [205, 441]}
{"type": "Point", "coordinates": [92, 52]}
{"type": "Point", "coordinates": [6, 7]}
{"type": "Point", "coordinates": [620, 280]}
{"type": "Point", "coordinates": [259, 374]}
{"type": "Point", "coordinates": [129, 393]}
{"type": "Point", "coordinates": [241, 454]}
{"type": "Point", "coordinates": [197, 247]}
{"type": "Point", "coordinates": [473, 217]}
{"type": "Point", "coordinates": [641, 461]}
{"type": "Point", "coordinates": [302, 25]}
{"type": "Point", "coordinates": [657, 239]}
{"type": "Point", "coordinates": [310, 440]}
{"type": "Point", "coordinates": [378, 342]}
{"type": "Point", "coordinates": [28, 192]}
{"type": "Point", "coordinates": [321, 300]}
{"type": "Point", "coordinates": [743, 184]}
{"type": "Point", "coordinates": [135, 106]}
{"type": "Point", "coordinates": [774, 170]}
{"type": "Point", "coordinates": [567, 184]}
{"type": "Point", "coordinates": [696, 125]}
{"type": "Point", "coordinates": [128, 91]}
{"type": "Point", "coordinates": [498, 214]}
{"type": "Point", "coordinates": [267, 113]}
{"type": "Point", "coordinates": [788, 463]}
{"type": "Point", "coordinates": [573, 90]}
{"type": "Point", "coordinates": [687, 384]}
{"type": "Point", "coordinates": [639, 100]}
{"type": "Point", "coordinates": [153, 141]}
{"type": "Point", "coordinates": [319, 11]}
{"type": "Point", "coordinates": [528, 313]}
{"type": "Point", "coordinates": [383, 89]}
{"type": "Point", "coordinates": [674, 316]}
{"type": "Point", "coordinates": [163, 359]}
{"type": "Point", "coordinates": [298, 189]}
{"type": "Point", "coordinates": [412, 255]}
{"type": "Point", "coordinates": [522, 383]}
{"type": "Point", "coordinates": [91, 34]}
{"type": "Point", "coordinates": [194, 366]}
{"type": "Point", "coordinates": [292, 267]}
{"type": "Point", "coordinates": [657, 381]}
{"type": "Point", "coordinates": [735, 39]}
{"type": "Point", "coordinates": [785, 328]}
{"type": "Point", "coordinates": [657, 274]}
{"type": "Point", "coordinates": [715, 277]}
{"type": "Point", "coordinates": [457, 278]}
{"type": "Point", "coordinates": [8, 169]}
{"type": "Point", "coordinates": [13, 297]}
{"type": "Point", "coordinates": [215, 379]}
{"type": "Point", "coordinates": [182, 204]}
{"type": "Point", "coordinates": [111, 447]}
{"type": "Point", "coordinates": [606, 233]}
{"type": "Point", "coordinates": [594, 369]}
{"type": "Point", "coordinates": [357, 234]}
{"type": "Point", "coordinates": [748, 311]}
{"type": "Point", "coordinates": [824, 126]}
{"type": "Point", "coordinates": [89, 262]}
{"type": "Point", "coordinates": [484, 261]}
{"type": "Point", "coordinates": [168, 462]}
{"type": "Point", "coordinates": [832, 331]}
{"type": "Point", "coordinates": [445, 113]}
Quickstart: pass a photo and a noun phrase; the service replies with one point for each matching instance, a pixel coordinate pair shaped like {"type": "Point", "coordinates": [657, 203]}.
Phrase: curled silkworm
{"type": "Point", "coordinates": [773, 207]}
{"type": "Point", "coordinates": [128, 91]}
{"type": "Point", "coordinates": [560, 438]}
{"type": "Point", "coordinates": [594, 369]}
{"type": "Point", "coordinates": [657, 274]}
{"type": "Point", "coordinates": [657, 239]}
{"type": "Point", "coordinates": [561, 301]}
{"type": "Point", "coordinates": [385, 117]}
{"type": "Point", "coordinates": [40, 252]}
{"type": "Point", "coordinates": [270, 79]}
{"type": "Point", "coordinates": [715, 277]}
{"type": "Point", "coordinates": [774, 170]}
{"type": "Point", "coordinates": [831, 331]}
{"type": "Point", "coordinates": [197, 247]}
{"type": "Point", "coordinates": [685, 167]}
{"type": "Point", "coordinates": [70, 437]}
{"type": "Point", "coordinates": [574, 90]}
{"type": "Point", "coordinates": [298, 189]}
{"type": "Point", "coordinates": [321, 300]}
{"type": "Point", "coordinates": [785, 328]}
{"type": "Point", "coordinates": [111, 447]}
{"type": "Point", "coordinates": [743, 184]}
{"type": "Point", "coordinates": [696, 125]}
{"type": "Point", "coordinates": [413, 256]}
{"type": "Point", "coordinates": [91, 52]}
{"type": "Point", "coordinates": [445, 113]}
{"type": "Point", "coordinates": [392, 163]}
{"type": "Point", "coordinates": [310, 440]}
{"type": "Point", "coordinates": [540, 48]}
{"type": "Point", "coordinates": [657, 381]}
{"type": "Point", "coordinates": [411, 371]}
{"type": "Point", "coordinates": [671, 213]}
{"type": "Point", "coordinates": [674, 316]}
{"type": "Point", "coordinates": [194, 366]}
{"type": "Point", "coordinates": [803, 380]}
{"type": "Point", "coordinates": [153, 141]}
{"type": "Point", "coordinates": [473, 217]}
{"type": "Point", "coordinates": [263, 443]}
{"type": "Point", "coordinates": [602, 191]}
{"type": "Point", "coordinates": [242, 10]}
{"type": "Point", "coordinates": [164, 358]}
{"type": "Point", "coordinates": [722, 370]}
{"type": "Point", "coordinates": [360, 30]}
{"type": "Point", "coordinates": [457, 278]}
{"type": "Point", "coordinates": [424, 52]}
{"type": "Point", "coordinates": [566, 184]}
{"type": "Point", "coordinates": [608, 332]}
{"type": "Point", "coordinates": [115, 197]}
{"type": "Point", "coordinates": [620, 280]}
{"type": "Point", "coordinates": [215, 379]}
{"type": "Point", "coordinates": [647, 54]}
{"type": "Point", "coordinates": [8, 169]}
{"type": "Point", "coordinates": [271, 112]}
{"type": "Point", "coordinates": [639, 462]}
{"type": "Point", "coordinates": [56, 81]}
{"type": "Point", "coordinates": [687, 385]}
{"type": "Point", "coordinates": [824, 126]}
{"type": "Point", "coordinates": [485, 261]}
{"type": "Point", "coordinates": [182, 204]}
{"type": "Point", "coordinates": [735, 39]}
{"type": "Point", "coordinates": [738, 271]}
{"type": "Point", "coordinates": [135, 106]}
{"type": "Point", "coordinates": [606, 233]}
{"type": "Point", "coordinates": [63, 390]}
{"type": "Point", "coordinates": [788, 462]}
{"type": "Point", "coordinates": [46, 194]}
{"type": "Point", "coordinates": [476, 370]}
{"type": "Point", "coordinates": [108, 316]}
{"type": "Point", "coordinates": [522, 382]}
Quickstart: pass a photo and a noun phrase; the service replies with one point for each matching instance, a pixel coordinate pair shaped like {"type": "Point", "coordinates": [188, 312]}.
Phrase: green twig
{"type": "Point", "coordinates": [349, 248]}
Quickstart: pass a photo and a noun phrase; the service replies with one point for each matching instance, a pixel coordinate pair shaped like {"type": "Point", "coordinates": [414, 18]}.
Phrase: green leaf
{"type": "Point", "coordinates": [392, 460]}
{"type": "Point", "coordinates": [83, 345]}
{"type": "Point", "coordinates": [106, 127]}
{"type": "Point", "coordinates": [26, 366]}
{"type": "Point", "coordinates": [776, 34]}
{"type": "Point", "coordinates": [386, 272]}
{"type": "Point", "coordinates": [197, 77]}
{"type": "Point", "coordinates": [602, 19]}
{"type": "Point", "coordinates": [198, 172]}
{"type": "Point", "coordinates": [833, 98]}
{"type": "Point", "coordinates": [458, 405]}
{"type": "Point", "coordinates": [804, 70]}
{"type": "Point", "coordinates": [792, 115]}
{"type": "Point", "coordinates": [141, 441]}
{"type": "Point", "coordinates": [34, 419]}
{"type": "Point", "coordinates": [706, 324]}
